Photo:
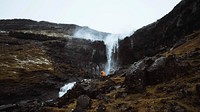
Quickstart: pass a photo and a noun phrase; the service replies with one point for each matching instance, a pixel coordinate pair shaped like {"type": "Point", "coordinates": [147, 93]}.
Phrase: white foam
{"type": "Point", "coordinates": [65, 88]}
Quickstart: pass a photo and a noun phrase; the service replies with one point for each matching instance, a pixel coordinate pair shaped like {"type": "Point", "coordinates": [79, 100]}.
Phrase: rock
{"type": "Point", "coordinates": [83, 101]}
{"type": "Point", "coordinates": [154, 70]}
{"type": "Point", "coordinates": [23, 106]}
{"type": "Point", "coordinates": [171, 107]}
{"type": "Point", "coordinates": [128, 109]}
{"type": "Point", "coordinates": [7, 107]}
{"type": "Point", "coordinates": [75, 92]}
{"type": "Point", "coordinates": [196, 102]}
{"type": "Point", "coordinates": [120, 95]}
{"type": "Point", "coordinates": [198, 89]}
{"type": "Point", "coordinates": [101, 108]}
{"type": "Point", "coordinates": [103, 97]}
{"type": "Point", "coordinates": [125, 108]}
{"type": "Point", "coordinates": [162, 69]}
{"type": "Point", "coordinates": [140, 65]}
{"type": "Point", "coordinates": [90, 88]}
{"type": "Point", "coordinates": [157, 69]}
{"type": "Point", "coordinates": [135, 83]}
{"type": "Point", "coordinates": [79, 109]}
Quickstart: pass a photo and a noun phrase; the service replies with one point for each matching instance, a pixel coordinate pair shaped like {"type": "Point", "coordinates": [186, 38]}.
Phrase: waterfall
{"type": "Point", "coordinates": [111, 42]}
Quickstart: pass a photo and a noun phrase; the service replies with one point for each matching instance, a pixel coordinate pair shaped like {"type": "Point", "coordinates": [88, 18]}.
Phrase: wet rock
{"type": "Point", "coordinates": [73, 93]}
{"type": "Point", "coordinates": [7, 107]}
{"type": "Point", "coordinates": [83, 101]}
{"type": "Point", "coordinates": [23, 106]}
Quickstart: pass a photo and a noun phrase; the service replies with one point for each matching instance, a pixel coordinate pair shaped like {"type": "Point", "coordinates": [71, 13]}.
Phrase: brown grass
{"type": "Point", "coordinates": [187, 47]}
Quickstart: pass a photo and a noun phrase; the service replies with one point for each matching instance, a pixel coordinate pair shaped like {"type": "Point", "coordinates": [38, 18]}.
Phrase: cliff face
{"type": "Point", "coordinates": [163, 34]}
{"type": "Point", "coordinates": [34, 61]}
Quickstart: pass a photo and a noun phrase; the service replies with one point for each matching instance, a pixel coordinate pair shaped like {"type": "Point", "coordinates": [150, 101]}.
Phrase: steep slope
{"type": "Point", "coordinates": [160, 70]}
{"type": "Point", "coordinates": [162, 35]}
{"type": "Point", "coordinates": [155, 84]}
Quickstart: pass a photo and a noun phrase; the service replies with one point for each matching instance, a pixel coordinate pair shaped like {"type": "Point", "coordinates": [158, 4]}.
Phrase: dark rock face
{"type": "Point", "coordinates": [161, 35]}
{"type": "Point", "coordinates": [40, 63]}
{"type": "Point", "coordinates": [78, 57]}
{"type": "Point", "coordinates": [74, 56]}
{"type": "Point", "coordinates": [31, 36]}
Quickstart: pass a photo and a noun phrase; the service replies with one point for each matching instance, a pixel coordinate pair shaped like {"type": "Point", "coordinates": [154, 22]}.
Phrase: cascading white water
{"type": "Point", "coordinates": [111, 42]}
{"type": "Point", "coordinates": [65, 88]}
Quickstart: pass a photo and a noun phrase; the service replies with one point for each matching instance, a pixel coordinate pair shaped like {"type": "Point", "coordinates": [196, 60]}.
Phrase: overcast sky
{"type": "Point", "coordinates": [115, 16]}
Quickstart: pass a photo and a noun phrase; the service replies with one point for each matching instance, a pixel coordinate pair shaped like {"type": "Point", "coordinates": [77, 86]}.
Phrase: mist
{"type": "Point", "coordinates": [111, 42]}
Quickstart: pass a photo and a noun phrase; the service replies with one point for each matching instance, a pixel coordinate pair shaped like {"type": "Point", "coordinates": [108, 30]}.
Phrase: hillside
{"type": "Point", "coordinates": [160, 67]}
{"type": "Point", "coordinates": [169, 83]}
{"type": "Point", "coordinates": [45, 28]}
{"type": "Point", "coordinates": [163, 34]}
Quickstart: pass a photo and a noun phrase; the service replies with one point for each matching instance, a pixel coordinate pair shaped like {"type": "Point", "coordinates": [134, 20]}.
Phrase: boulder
{"type": "Point", "coordinates": [198, 89]}
{"type": "Point", "coordinates": [165, 68]}
{"type": "Point", "coordinates": [83, 101]}
{"type": "Point", "coordinates": [135, 83]}
{"type": "Point", "coordinates": [73, 93]}
{"type": "Point", "coordinates": [154, 70]}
